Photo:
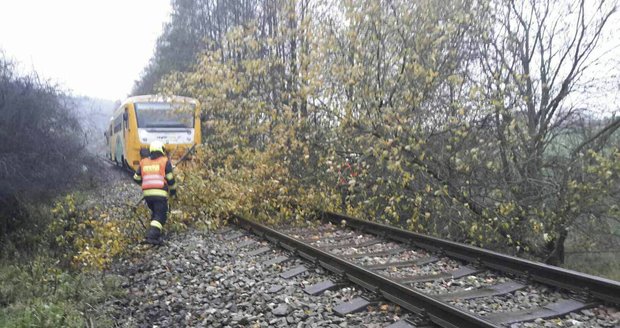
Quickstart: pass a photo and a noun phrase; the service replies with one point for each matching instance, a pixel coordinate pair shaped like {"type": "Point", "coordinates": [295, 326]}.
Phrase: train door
{"type": "Point", "coordinates": [118, 140]}
{"type": "Point", "coordinates": [125, 133]}
{"type": "Point", "coordinates": [110, 139]}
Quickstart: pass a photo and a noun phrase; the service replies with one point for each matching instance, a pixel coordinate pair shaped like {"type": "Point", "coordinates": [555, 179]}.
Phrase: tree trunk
{"type": "Point", "coordinates": [557, 255]}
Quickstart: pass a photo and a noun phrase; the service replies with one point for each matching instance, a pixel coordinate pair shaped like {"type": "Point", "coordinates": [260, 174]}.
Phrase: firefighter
{"type": "Point", "coordinates": [155, 176]}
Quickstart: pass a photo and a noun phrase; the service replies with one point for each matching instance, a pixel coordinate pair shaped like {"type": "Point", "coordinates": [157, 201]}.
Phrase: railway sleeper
{"type": "Point", "coordinates": [234, 236]}
{"type": "Point", "coordinates": [277, 260]}
{"type": "Point", "coordinates": [458, 273]}
{"type": "Point", "coordinates": [374, 254]}
{"type": "Point", "coordinates": [552, 310]}
{"type": "Point", "coordinates": [402, 324]}
{"type": "Point", "coordinates": [495, 290]}
{"type": "Point", "coordinates": [353, 244]}
{"type": "Point", "coordinates": [245, 244]}
{"type": "Point", "coordinates": [294, 272]}
{"type": "Point", "coordinates": [258, 251]}
{"type": "Point", "coordinates": [421, 261]}
{"type": "Point", "coordinates": [355, 305]}
{"type": "Point", "coordinates": [322, 286]}
{"type": "Point", "coordinates": [331, 240]}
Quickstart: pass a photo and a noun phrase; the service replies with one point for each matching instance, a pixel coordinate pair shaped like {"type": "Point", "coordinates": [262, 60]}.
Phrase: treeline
{"type": "Point", "coordinates": [465, 119]}
{"type": "Point", "coordinates": [42, 154]}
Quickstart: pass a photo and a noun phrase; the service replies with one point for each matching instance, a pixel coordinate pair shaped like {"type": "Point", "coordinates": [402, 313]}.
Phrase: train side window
{"type": "Point", "coordinates": [126, 119]}
{"type": "Point", "coordinates": [118, 124]}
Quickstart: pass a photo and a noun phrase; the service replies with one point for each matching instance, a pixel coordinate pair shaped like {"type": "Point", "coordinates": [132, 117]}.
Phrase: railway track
{"type": "Point", "coordinates": [447, 283]}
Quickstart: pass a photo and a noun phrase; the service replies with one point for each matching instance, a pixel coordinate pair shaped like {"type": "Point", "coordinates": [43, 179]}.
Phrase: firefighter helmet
{"type": "Point", "coordinates": [156, 146]}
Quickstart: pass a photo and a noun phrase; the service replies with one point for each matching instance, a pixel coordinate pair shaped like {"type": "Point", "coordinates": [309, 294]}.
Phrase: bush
{"type": "Point", "coordinates": [89, 239]}
{"type": "Point", "coordinates": [42, 152]}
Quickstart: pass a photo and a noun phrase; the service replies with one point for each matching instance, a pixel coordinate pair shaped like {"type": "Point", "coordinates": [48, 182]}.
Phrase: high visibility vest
{"type": "Point", "coordinates": [154, 175]}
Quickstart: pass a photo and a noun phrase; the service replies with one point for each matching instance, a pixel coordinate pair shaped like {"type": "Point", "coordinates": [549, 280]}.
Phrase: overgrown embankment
{"type": "Point", "coordinates": [48, 277]}
{"type": "Point", "coordinates": [43, 154]}
{"type": "Point", "coordinates": [57, 280]}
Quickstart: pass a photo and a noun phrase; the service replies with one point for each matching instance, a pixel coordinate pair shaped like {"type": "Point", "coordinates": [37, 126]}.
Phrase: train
{"type": "Point", "coordinates": [140, 120]}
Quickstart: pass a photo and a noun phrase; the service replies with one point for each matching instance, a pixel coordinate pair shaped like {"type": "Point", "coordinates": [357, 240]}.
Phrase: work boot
{"type": "Point", "coordinates": [153, 236]}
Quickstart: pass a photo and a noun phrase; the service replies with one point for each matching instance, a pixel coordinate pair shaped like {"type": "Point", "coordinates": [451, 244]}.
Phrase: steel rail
{"type": "Point", "coordinates": [437, 311]}
{"type": "Point", "coordinates": [597, 287]}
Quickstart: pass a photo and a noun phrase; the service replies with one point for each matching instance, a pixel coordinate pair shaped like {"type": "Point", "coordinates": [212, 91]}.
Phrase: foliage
{"type": "Point", "coordinates": [42, 153]}
{"type": "Point", "coordinates": [66, 284]}
{"type": "Point", "coordinates": [88, 238]}
{"type": "Point", "coordinates": [240, 166]}
{"type": "Point", "coordinates": [464, 119]}
{"type": "Point", "coordinates": [39, 294]}
{"type": "Point", "coordinates": [240, 187]}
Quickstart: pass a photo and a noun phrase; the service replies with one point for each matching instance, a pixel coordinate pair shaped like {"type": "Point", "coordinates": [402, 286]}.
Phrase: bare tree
{"type": "Point", "coordinates": [535, 58]}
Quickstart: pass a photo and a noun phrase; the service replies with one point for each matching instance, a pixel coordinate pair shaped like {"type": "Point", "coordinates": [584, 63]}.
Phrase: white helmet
{"type": "Point", "coordinates": [156, 146]}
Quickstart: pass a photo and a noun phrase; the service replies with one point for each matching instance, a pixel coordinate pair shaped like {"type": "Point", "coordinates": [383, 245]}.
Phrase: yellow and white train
{"type": "Point", "coordinates": [140, 120]}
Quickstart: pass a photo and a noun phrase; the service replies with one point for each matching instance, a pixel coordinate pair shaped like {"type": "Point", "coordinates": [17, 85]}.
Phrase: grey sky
{"type": "Point", "coordinates": [94, 48]}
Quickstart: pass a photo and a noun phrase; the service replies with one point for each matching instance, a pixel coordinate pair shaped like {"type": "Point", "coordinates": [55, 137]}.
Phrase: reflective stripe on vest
{"type": "Point", "coordinates": [153, 181]}
{"type": "Point", "coordinates": [153, 171]}
{"type": "Point", "coordinates": [155, 192]}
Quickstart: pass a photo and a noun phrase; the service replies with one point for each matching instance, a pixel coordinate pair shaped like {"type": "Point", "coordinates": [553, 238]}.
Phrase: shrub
{"type": "Point", "coordinates": [39, 294]}
{"type": "Point", "coordinates": [42, 152]}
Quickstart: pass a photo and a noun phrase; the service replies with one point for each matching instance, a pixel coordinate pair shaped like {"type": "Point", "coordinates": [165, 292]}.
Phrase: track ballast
{"type": "Point", "coordinates": [450, 284]}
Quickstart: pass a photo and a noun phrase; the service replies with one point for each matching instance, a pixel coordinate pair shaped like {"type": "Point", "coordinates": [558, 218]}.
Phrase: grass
{"type": "Point", "coordinates": [599, 264]}
{"type": "Point", "coordinates": [39, 294]}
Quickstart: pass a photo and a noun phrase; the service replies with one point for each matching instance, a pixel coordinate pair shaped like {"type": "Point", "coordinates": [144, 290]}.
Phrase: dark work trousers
{"type": "Point", "coordinates": [159, 208]}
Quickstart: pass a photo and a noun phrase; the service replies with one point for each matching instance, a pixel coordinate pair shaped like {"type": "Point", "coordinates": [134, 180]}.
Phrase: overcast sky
{"type": "Point", "coordinates": [93, 48]}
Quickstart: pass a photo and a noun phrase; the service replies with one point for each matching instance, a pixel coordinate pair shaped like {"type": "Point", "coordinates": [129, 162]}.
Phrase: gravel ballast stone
{"type": "Point", "coordinates": [200, 279]}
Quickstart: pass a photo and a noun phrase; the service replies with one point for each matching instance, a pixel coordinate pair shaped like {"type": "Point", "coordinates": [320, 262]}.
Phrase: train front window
{"type": "Point", "coordinates": [164, 115]}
